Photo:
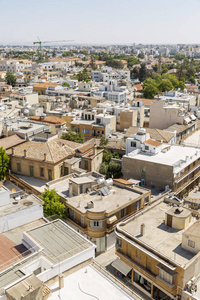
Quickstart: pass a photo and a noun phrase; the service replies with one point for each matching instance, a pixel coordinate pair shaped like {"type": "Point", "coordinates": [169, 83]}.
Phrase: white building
{"type": "Point", "coordinates": [112, 92]}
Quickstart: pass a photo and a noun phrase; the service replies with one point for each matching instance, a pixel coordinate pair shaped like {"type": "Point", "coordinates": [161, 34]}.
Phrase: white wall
{"type": "Point", "coordinates": [20, 217]}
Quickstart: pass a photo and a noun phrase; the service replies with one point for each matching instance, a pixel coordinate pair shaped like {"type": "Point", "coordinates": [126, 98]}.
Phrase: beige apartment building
{"type": "Point", "coordinates": [163, 115]}
{"type": "Point", "coordinates": [161, 165]}
{"type": "Point", "coordinates": [95, 205]}
{"type": "Point", "coordinates": [159, 251]}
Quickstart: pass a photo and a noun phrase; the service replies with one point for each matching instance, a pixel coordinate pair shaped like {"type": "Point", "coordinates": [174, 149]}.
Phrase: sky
{"type": "Point", "coordinates": [100, 22]}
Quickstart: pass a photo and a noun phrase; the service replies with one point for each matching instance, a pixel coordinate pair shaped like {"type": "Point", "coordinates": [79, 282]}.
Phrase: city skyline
{"type": "Point", "coordinates": [113, 22]}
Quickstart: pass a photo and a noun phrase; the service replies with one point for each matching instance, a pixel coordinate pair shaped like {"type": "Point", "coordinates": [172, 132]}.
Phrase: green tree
{"type": "Point", "coordinates": [142, 73]}
{"type": "Point", "coordinates": [52, 204]}
{"type": "Point", "coordinates": [114, 170]}
{"type": "Point", "coordinates": [83, 76]}
{"type": "Point", "coordinates": [74, 137]}
{"type": "Point", "coordinates": [68, 53]}
{"type": "Point", "coordinates": [150, 88]}
{"type": "Point", "coordinates": [10, 78]}
{"type": "Point", "coordinates": [141, 55]}
{"type": "Point", "coordinates": [165, 85]}
{"type": "Point", "coordinates": [65, 84]}
{"type": "Point", "coordinates": [103, 142]}
{"type": "Point", "coordinates": [4, 163]}
{"type": "Point", "coordinates": [182, 85]}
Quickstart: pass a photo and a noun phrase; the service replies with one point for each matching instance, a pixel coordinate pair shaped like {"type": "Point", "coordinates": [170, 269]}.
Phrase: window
{"type": "Point", "coordinates": [133, 144]}
{"type": "Point", "coordinates": [148, 263]}
{"type": "Point", "coordinates": [82, 220]}
{"type": "Point", "coordinates": [86, 131]}
{"type": "Point", "coordinates": [191, 243]}
{"type": "Point", "coordinates": [72, 213]}
{"type": "Point", "coordinates": [18, 167]}
{"type": "Point", "coordinates": [41, 172]}
{"type": "Point", "coordinates": [146, 147]}
{"type": "Point", "coordinates": [86, 164]}
{"type": "Point", "coordinates": [50, 174]}
{"type": "Point", "coordinates": [138, 253]}
{"type": "Point", "coordinates": [118, 243]}
{"type": "Point", "coordinates": [96, 224]}
{"type": "Point", "coordinates": [66, 170]}
{"type": "Point", "coordinates": [102, 132]}
{"type": "Point", "coordinates": [31, 170]}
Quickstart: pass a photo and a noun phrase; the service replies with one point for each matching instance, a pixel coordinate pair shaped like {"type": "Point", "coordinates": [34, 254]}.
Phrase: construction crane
{"type": "Point", "coordinates": [47, 42]}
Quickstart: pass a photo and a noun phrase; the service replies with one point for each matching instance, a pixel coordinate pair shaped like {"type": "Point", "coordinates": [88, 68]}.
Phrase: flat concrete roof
{"type": "Point", "coordinates": [118, 197]}
{"type": "Point", "coordinates": [164, 239]}
{"type": "Point", "coordinates": [58, 240]}
{"type": "Point", "coordinates": [16, 234]}
{"type": "Point", "coordinates": [22, 203]}
{"type": "Point", "coordinates": [170, 158]}
{"type": "Point", "coordinates": [91, 281]}
{"type": "Point", "coordinates": [36, 183]}
{"type": "Point", "coordinates": [81, 180]}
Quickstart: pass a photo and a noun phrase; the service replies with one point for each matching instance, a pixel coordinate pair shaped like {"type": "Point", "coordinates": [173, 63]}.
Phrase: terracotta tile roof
{"type": "Point", "coordinates": [48, 119]}
{"type": "Point", "coordinates": [55, 150]}
{"type": "Point", "coordinates": [91, 154]}
{"type": "Point", "coordinates": [152, 143]}
{"type": "Point", "coordinates": [155, 134]}
{"type": "Point", "coordinates": [126, 182]}
{"type": "Point", "coordinates": [45, 85]}
{"type": "Point", "coordinates": [11, 141]}
{"type": "Point", "coordinates": [85, 148]}
{"type": "Point", "coordinates": [147, 102]}
{"type": "Point", "coordinates": [138, 87]}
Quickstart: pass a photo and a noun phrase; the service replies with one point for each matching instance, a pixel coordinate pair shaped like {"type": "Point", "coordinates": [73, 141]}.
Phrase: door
{"type": "Point", "coordinates": [169, 220]}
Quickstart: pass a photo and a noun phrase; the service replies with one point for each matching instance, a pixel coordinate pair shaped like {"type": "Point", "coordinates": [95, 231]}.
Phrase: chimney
{"type": "Point", "coordinates": [25, 152]}
{"type": "Point", "coordinates": [70, 189]}
{"type": "Point", "coordinates": [95, 149]}
{"type": "Point", "coordinates": [142, 230]}
{"type": "Point", "coordinates": [45, 156]}
{"type": "Point", "coordinates": [13, 151]}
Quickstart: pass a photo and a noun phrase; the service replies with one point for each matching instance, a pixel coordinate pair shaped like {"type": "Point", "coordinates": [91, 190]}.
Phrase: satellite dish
{"type": "Point", "coordinates": [13, 190]}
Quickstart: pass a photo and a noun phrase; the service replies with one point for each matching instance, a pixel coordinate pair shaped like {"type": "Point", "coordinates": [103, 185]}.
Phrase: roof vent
{"type": "Point", "coordinates": [178, 211]}
{"type": "Point", "coordinates": [90, 204]}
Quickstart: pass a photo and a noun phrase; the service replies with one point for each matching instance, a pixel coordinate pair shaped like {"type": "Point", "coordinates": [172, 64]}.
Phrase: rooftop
{"type": "Point", "coordinates": [178, 156]}
{"type": "Point", "coordinates": [165, 240]}
{"type": "Point", "coordinates": [118, 197]}
{"type": "Point", "coordinates": [55, 149]}
{"type": "Point", "coordinates": [155, 134]}
{"type": "Point", "coordinates": [11, 141]}
{"type": "Point", "coordinates": [58, 240]}
{"type": "Point", "coordinates": [89, 280]}
{"type": "Point", "coordinates": [48, 119]}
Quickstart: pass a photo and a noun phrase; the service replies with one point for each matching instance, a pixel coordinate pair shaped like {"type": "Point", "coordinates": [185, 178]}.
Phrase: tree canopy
{"type": "Point", "coordinates": [108, 167]}
{"type": "Point", "coordinates": [10, 79]}
{"type": "Point", "coordinates": [66, 84]}
{"type": "Point", "coordinates": [73, 136]}
{"type": "Point", "coordinates": [160, 84]}
{"type": "Point", "coordinates": [4, 163]}
{"type": "Point", "coordinates": [83, 76]}
{"type": "Point", "coordinates": [52, 204]}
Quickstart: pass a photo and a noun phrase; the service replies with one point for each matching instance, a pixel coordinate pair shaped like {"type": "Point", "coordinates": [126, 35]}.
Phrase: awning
{"type": "Point", "coordinates": [121, 266]}
{"type": "Point", "coordinates": [187, 120]}
{"type": "Point", "coordinates": [193, 118]}
{"type": "Point", "coordinates": [111, 219]}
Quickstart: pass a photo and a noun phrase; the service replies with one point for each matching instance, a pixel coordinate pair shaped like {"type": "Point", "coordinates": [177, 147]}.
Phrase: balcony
{"type": "Point", "coordinates": [77, 223]}
{"type": "Point", "coordinates": [179, 178]}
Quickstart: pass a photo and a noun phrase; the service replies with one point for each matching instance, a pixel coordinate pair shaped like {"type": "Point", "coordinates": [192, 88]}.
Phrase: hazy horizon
{"type": "Point", "coordinates": [105, 23]}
